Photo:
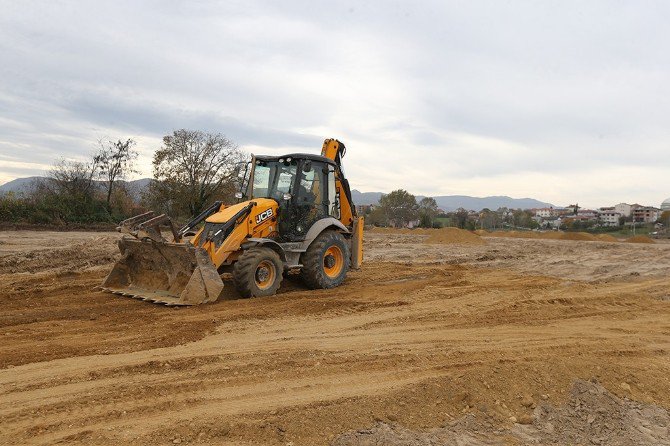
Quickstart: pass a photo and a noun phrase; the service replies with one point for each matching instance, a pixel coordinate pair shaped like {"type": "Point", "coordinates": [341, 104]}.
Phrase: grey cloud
{"type": "Point", "coordinates": [564, 88]}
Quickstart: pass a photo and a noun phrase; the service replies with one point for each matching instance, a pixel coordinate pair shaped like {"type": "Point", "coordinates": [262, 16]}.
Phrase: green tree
{"type": "Point", "coordinates": [376, 217]}
{"type": "Point", "coordinates": [399, 207]}
{"type": "Point", "coordinates": [460, 218]}
{"type": "Point", "coordinates": [488, 219]}
{"type": "Point", "coordinates": [428, 211]}
{"type": "Point", "coordinates": [192, 169]}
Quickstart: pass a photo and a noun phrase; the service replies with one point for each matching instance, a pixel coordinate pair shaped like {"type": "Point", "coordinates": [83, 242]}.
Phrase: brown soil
{"type": "Point", "coordinates": [592, 416]}
{"type": "Point", "coordinates": [454, 235]}
{"type": "Point", "coordinates": [424, 336]}
{"type": "Point", "coordinates": [552, 235]}
{"type": "Point", "coordinates": [607, 238]}
{"type": "Point", "coordinates": [639, 239]}
{"type": "Point", "coordinates": [582, 236]}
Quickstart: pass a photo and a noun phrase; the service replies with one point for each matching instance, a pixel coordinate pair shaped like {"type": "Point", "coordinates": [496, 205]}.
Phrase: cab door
{"type": "Point", "coordinates": [310, 201]}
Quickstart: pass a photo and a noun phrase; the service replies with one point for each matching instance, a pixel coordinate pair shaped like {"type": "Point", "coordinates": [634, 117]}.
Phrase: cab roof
{"type": "Point", "coordinates": [305, 156]}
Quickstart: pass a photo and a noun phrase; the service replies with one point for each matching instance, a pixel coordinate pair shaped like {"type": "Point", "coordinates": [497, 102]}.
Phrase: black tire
{"type": "Point", "coordinates": [316, 271]}
{"type": "Point", "coordinates": [258, 272]}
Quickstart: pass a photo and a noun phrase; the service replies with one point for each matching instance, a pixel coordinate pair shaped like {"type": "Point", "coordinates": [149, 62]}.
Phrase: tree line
{"type": "Point", "coordinates": [191, 169]}
{"type": "Point", "coordinates": [401, 209]}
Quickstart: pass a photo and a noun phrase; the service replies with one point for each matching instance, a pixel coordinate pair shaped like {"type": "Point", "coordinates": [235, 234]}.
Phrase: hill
{"type": "Point", "coordinates": [446, 202]}
{"type": "Point", "coordinates": [21, 185]}
{"type": "Point", "coordinates": [453, 202]}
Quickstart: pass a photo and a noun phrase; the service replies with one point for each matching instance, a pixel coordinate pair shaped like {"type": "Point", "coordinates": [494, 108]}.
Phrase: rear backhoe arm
{"type": "Point", "coordinates": [335, 150]}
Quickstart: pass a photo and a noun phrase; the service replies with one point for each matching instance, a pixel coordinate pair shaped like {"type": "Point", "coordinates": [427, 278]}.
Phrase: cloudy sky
{"type": "Point", "coordinates": [563, 101]}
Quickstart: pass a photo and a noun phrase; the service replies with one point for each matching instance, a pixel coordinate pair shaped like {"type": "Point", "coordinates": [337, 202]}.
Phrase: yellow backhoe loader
{"type": "Point", "coordinates": [295, 213]}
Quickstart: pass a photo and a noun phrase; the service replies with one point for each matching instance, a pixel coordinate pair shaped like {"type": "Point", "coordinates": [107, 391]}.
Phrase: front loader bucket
{"type": "Point", "coordinates": [167, 273]}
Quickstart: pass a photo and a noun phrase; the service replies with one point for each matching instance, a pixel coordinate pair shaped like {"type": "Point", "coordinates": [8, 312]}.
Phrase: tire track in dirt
{"type": "Point", "coordinates": [414, 343]}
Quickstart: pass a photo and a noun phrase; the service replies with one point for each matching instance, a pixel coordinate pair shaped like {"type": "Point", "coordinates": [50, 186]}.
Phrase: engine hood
{"type": "Point", "coordinates": [229, 212]}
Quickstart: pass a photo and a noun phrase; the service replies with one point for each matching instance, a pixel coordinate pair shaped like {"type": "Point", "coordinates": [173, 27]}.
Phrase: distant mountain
{"type": "Point", "coordinates": [365, 197]}
{"type": "Point", "coordinates": [136, 188]}
{"type": "Point", "coordinates": [21, 185]}
{"type": "Point", "coordinates": [453, 202]}
{"type": "Point", "coordinates": [446, 202]}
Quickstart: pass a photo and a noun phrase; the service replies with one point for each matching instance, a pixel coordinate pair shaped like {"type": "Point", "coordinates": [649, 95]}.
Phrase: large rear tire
{"type": "Point", "coordinates": [258, 272]}
{"type": "Point", "coordinates": [326, 261]}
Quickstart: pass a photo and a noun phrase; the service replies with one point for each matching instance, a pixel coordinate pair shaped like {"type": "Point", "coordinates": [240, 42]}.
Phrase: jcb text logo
{"type": "Point", "coordinates": [263, 216]}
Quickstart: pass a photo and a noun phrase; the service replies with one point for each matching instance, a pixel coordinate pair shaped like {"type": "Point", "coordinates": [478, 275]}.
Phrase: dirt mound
{"type": "Point", "coordinates": [414, 231]}
{"type": "Point", "coordinates": [580, 236]}
{"type": "Point", "coordinates": [465, 431]}
{"type": "Point", "coordinates": [551, 235]}
{"type": "Point", "coordinates": [640, 239]}
{"type": "Point", "coordinates": [482, 232]}
{"type": "Point", "coordinates": [100, 250]}
{"type": "Point", "coordinates": [592, 416]}
{"type": "Point", "coordinates": [517, 234]}
{"type": "Point", "coordinates": [554, 235]}
{"type": "Point", "coordinates": [454, 235]}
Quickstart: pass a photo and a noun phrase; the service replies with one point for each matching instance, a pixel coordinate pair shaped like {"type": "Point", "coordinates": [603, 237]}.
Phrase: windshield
{"type": "Point", "coordinates": [273, 179]}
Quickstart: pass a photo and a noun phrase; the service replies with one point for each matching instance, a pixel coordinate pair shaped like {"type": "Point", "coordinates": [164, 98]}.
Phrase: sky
{"type": "Point", "coordinates": [562, 101]}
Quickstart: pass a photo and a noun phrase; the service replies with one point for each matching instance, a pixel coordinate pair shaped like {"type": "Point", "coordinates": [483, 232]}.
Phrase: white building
{"type": "Point", "coordinates": [624, 209]}
{"type": "Point", "coordinates": [609, 218]}
{"type": "Point", "coordinates": [544, 212]}
{"type": "Point", "coordinates": [665, 206]}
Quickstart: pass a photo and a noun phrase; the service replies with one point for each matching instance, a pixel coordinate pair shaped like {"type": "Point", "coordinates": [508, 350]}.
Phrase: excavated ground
{"type": "Point", "coordinates": [510, 341]}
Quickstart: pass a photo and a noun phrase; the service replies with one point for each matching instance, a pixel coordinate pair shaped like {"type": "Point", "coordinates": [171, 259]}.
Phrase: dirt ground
{"type": "Point", "coordinates": [504, 341]}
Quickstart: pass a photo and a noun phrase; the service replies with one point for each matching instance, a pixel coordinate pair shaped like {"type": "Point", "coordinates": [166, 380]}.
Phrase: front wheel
{"type": "Point", "coordinates": [326, 261]}
{"type": "Point", "coordinates": [258, 272]}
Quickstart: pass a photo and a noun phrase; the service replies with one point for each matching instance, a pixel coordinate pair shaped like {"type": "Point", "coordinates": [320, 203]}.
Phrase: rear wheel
{"type": "Point", "coordinates": [326, 261]}
{"type": "Point", "coordinates": [258, 272]}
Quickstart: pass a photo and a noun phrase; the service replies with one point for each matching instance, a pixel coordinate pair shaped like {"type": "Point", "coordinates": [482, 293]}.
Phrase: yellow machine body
{"type": "Point", "coordinates": [187, 271]}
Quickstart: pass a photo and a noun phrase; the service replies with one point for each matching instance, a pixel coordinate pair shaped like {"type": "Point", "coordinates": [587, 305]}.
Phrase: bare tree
{"type": "Point", "coordinates": [75, 178]}
{"type": "Point", "coordinates": [193, 168]}
{"type": "Point", "coordinates": [114, 161]}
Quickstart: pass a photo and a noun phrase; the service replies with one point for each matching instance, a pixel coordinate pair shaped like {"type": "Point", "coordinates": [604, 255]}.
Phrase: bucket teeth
{"type": "Point", "coordinates": [158, 299]}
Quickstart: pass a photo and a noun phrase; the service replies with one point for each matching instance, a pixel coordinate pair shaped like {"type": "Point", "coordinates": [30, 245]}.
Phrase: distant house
{"type": "Point", "coordinates": [362, 209]}
{"type": "Point", "coordinates": [609, 217]}
{"type": "Point", "coordinates": [585, 215]}
{"type": "Point", "coordinates": [646, 214]}
{"type": "Point", "coordinates": [624, 209]}
{"type": "Point", "coordinates": [545, 212]}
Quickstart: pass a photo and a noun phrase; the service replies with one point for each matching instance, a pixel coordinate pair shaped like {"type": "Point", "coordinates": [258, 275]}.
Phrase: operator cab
{"type": "Point", "coordinates": [303, 185]}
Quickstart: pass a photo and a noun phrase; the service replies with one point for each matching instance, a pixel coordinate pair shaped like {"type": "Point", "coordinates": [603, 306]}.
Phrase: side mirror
{"type": "Point", "coordinates": [238, 195]}
{"type": "Point", "coordinates": [287, 196]}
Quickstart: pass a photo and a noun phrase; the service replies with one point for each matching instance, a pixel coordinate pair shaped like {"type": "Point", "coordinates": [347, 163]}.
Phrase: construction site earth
{"type": "Point", "coordinates": [443, 337]}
